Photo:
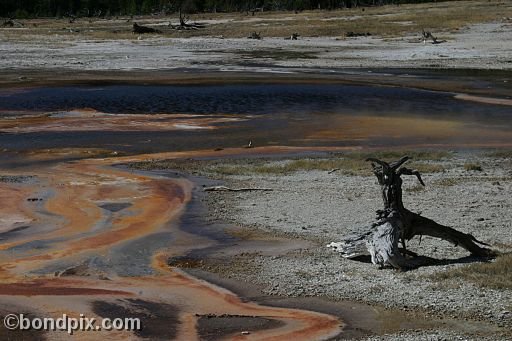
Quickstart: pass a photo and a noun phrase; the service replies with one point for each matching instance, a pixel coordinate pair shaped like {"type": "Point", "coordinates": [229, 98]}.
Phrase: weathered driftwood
{"type": "Point", "coordinates": [395, 224]}
{"type": "Point", "coordinates": [255, 35]}
{"type": "Point", "coordinates": [227, 189]}
{"type": "Point", "coordinates": [351, 34]}
{"type": "Point", "coordinates": [428, 36]}
{"type": "Point", "coordinates": [139, 29]}
{"type": "Point", "coordinates": [294, 36]}
{"type": "Point", "coordinates": [8, 23]}
{"type": "Point", "coordinates": [254, 10]}
{"type": "Point", "coordinates": [184, 23]}
{"type": "Point", "coordinates": [71, 17]}
{"type": "Point", "coordinates": [12, 23]}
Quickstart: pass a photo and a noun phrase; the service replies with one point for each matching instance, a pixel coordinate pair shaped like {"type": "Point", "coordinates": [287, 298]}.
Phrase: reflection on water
{"type": "Point", "coordinates": [289, 114]}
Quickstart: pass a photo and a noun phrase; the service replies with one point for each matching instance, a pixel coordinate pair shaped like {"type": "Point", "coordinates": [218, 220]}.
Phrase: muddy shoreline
{"type": "Point", "coordinates": [360, 320]}
{"type": "Point", "coordinates": [241, 269]}
{"type": "Point", "coordinates": [461, 80]}
{"type": "Point", "coordinates": [102, 205]}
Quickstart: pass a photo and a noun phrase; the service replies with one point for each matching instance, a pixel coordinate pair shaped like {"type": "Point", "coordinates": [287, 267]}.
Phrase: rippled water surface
{"type": "Point", "coordinates": [291, 114]}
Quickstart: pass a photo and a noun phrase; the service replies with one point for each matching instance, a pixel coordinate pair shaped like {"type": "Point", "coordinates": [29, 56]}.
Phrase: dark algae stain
{"type": "Point", "coordinates": [159, 321]}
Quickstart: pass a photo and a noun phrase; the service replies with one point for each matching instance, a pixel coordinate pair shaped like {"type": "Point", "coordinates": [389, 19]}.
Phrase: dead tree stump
{"type": "Point", "coordinates": [184, 24]}
{"type": "Point", "coordinates": [255, 35]}
{"type": "Point", "coordinates": [139, 29]}
{"type": "Point", "coordinates": [294, 36]}
{"type": "Point", "coordinates": [396, 225]}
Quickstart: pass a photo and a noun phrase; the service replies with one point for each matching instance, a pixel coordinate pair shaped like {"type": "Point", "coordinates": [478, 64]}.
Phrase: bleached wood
{"type": "Point", "coordinates": [396, 224]}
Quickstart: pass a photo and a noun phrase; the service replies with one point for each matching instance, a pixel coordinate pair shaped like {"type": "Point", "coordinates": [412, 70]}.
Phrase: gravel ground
{"type": "Point", "coordinates": [482, 46]}
{"type": "Point", "coordinates": [323, 207]}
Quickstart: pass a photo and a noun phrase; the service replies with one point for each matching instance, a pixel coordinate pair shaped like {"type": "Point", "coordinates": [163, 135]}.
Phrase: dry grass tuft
{"type": "Point", "coordinates": [495, 274]}
{"type": "Point", "coordinates": [348, 163]}
{"type": "Point", "coordinates": [385, 21]}
{"type": "Point", "coordinates": [501, 154]}
{"type": "Point", "coordinates": [446, 182]}
{"type": "Point", "coordinates": [415, 188]}
{"type": "Point", "coordinates": [473, 167]}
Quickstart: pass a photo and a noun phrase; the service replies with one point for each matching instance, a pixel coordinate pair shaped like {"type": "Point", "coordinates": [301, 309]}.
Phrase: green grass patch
{"type": "Point", "coordinates": [495, 274]}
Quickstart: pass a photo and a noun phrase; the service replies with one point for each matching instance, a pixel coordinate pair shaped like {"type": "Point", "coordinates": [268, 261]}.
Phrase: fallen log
{"type": "Point", "coordinates": [184, 23]}
{"type": "Point", "coordinates": [395, 224]}
{"type": "Point", "coordinates": [12, 23]}
{"type": "Point", "coordinates": [351, 34]}
{"type": "Point", "coordinates": [8, 23]}
{"type": "Point", "coordinates": [139, 29]}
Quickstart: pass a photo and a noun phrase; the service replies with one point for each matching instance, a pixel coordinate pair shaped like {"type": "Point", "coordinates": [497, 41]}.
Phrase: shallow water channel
{"type": "Point", "coordinates": [268, 114]}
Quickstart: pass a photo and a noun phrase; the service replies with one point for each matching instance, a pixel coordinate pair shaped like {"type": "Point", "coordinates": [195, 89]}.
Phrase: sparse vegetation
{"type": "Point", "coordinates": [415, 188]}
{"type": "Point", "coordinates": [495, 274]}
{"type": "Point", "coordinates": [385, 21]}
{"type": "Point", "coordinates": [473, 167]}
{"type": "Point", "coordinates": [304, 274]}
{"type": "Point", "coordinates": [427, 167]}
{"type": "Point", "coordinates": [448, 182]}
{"type": "Point", "coordinates": [416, 155]}
{"type": "Point", "coordinates": [347, 163]}
{"type": "Point", "coordinates": [501, 154]}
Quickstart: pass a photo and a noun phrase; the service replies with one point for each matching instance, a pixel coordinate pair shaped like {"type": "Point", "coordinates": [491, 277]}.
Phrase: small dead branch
{"type": "Point", "coordinates": [71, 18]}
{"type": "Point", "coordinates": [254, 10]}
{"type": "Point", "coordinates": [333, 170]}
{"type": "Point", "coordinates": [428, 35]}
{"type": "Point", "coordinates": [351, 34]}
{"type": "Point", "coordinates": [8, 23]}
{"type": "Point", "coordinates": [187, 27]}
{"type": "Point", "coordinates": [255, 35]}
{"type": "Point", "coordinates": [139, 29]}
{"type": "Point", "coordinates": [227, 189]}
{"type": "Point", "coordinates": [12, 23]}
{"type": "Point", "coordinates": [294, 36]}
